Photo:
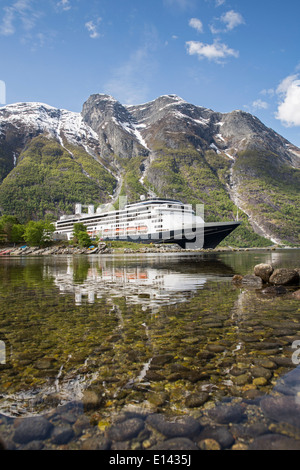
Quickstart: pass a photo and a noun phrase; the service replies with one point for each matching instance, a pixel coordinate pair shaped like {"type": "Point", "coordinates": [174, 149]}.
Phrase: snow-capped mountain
{"type": "Point", "coordinates": [106, 127]}
{"type": "Point", "coordinates": [28, 120]}
{"type": "Point", "coordinates": [166, 147]}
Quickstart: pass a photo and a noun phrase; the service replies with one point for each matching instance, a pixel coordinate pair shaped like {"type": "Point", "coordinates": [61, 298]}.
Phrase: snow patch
{"type": "Point", "coordinates": [202, 121]}
{"type": "Point", "coordinates": [219, 136]}
{"type": "Point", "coordinates": [132, 129]}
{"type": "Point", "coordinates": [229, 156]}
{"type": "Point", "coordinates": [214, 147]}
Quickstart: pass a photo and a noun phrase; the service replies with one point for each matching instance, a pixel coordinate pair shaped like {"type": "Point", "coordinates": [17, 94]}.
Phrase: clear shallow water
{"type": "Point", "coordinates": [145, 332]}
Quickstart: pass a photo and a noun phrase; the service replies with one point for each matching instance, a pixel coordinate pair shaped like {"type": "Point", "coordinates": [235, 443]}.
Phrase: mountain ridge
{"type": "Point", "coordinates": [165, 147]}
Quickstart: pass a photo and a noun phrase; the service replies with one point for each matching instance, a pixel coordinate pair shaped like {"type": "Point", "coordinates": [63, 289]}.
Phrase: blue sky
{"type": "Point", "coordinates": [221, 54]}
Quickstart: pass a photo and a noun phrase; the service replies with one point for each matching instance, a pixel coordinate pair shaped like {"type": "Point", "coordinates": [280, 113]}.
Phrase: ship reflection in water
{"type": "Point", "coordinates": [151, 284]}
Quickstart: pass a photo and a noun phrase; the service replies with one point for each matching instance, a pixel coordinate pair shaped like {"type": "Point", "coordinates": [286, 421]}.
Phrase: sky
{"type": "Point", "coordinates": [219, 54]}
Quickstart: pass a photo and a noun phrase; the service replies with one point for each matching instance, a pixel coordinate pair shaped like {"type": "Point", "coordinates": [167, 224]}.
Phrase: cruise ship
{"type": "Point", "coordinates": [147, 221]}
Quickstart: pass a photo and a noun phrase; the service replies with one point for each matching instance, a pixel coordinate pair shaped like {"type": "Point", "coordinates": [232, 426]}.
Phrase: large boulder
{"type": "Point", "coordinates": [284, 277]}
{"type": "Point", "coordinates": [263, 271]}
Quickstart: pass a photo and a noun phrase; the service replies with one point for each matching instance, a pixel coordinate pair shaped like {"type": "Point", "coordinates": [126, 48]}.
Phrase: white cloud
{"type": "Point", "coordinates": [20, 10]}
{"type": "Point", "coordinates": [216, 52]}
{"type": "Point", "coordinates": [285, 84]}
{"type": "Point", "coordinates": [196, 24]}
{"type": "Point", "coordinates": [268, 92]}
{"type": "Point", "coordinates": [7, 28]}
{"type": "Point", "coordinates": [92, 28]}
{"type": "Point", "coordinates": [217, 3]}
{"type": "Point", "coordinates": [260, 104]}
{"type": "Point", "coordinates": [182, 4]}
{"type": "Point", "coordinates": [129, 82]}
{"type": "Point", "coordinates": [126, 83]}
{"type": "Point", "coordinates": [288, 111]}
{"type": "Point", "coordinates": [64, 5]}
{"type": "Point", "coordinates": [232, 19]}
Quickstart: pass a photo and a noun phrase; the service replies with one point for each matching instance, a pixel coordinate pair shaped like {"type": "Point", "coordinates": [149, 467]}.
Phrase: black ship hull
{"type": "Point", "coordinates": [208, 235]}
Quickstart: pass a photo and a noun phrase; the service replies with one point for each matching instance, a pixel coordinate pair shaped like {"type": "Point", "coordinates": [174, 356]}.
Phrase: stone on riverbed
{"type": "Point", "coordinates": [242, 379]}
{"type": "Point", "coordinates": [62, 434]}
{"type": "Point", "coordinates": [275, 290]}
{"type": "Point", "coordinates": [274, 442]}
{"type": "Point", "coordinates": [282, 409]}
{"type": "Point", "coordinates": [32, 429]}
{"type": "Point", "coordinates": [125, 430]}
{"type": "Point", "coordinates": [96, 443]}
{"type": "Point", "coordinates": [92, 399]}
{"type": "Point", "coordinates": [216, 348]}
{"type": "Point", "coordinates": [237, 279]}
{"type": "Point", "coordinates": [259, 371]}
{"type": "Point", "coordinates": [180, 443]}
{"type": "Point", "coordinates": [2, 445]}
{"type": "Point", "coordinates": [251, 280]}
{"type": "Point", "coordinates": [196, 399]}
{"type": "Point", "coordinates": [209, 444]}
{"type": "Point", "coordinates": [297, 294]}
{"type": "Point", "coordinates": [177, 427]}
{"type": "Point", "coordinates": [218, 433]}
{"type": "Point", "coordinates": [225, 414]}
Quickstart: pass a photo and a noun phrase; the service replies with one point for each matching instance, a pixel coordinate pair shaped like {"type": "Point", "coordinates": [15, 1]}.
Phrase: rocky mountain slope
{"type": "Point", "coordinates": [52, 158]}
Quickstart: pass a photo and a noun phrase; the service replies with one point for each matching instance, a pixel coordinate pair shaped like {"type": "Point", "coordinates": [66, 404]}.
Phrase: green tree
{"type": "Point", "coordinates": [84, 239]}
{"type": "Point", "coordinates": [80, 235]}
{"type": "Point", "coordinates": [6, 224]}
{"type": "Point", "coordinates": [17, 233]}
{"type": "Point", "coordinates": [11, 230]}
{"type": "Point", "coordinates": [79, 227]}
{"type": "Point", "coordinates": [38, 233]}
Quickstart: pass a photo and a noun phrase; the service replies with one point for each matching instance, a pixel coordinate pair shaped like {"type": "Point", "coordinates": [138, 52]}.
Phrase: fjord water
{"type": "Point", "coordinates": [167, 333]}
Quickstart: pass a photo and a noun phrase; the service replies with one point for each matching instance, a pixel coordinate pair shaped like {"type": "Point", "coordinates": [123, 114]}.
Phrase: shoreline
{"type": "Point", "coordinates": [104, 248]}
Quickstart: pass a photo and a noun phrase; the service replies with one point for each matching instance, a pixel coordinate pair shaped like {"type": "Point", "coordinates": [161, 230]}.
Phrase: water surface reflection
{"type": "Point", "coordinates": [158, 333]}
{"type": "Point", "coordinates": [151, 282]}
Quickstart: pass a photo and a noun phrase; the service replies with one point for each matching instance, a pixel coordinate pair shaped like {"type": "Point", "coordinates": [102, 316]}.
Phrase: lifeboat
{"type": "Point", "coordinates": [143, 276]}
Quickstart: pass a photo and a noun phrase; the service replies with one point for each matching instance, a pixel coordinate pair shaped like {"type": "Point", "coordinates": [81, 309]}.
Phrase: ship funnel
{"type": "Point", "coordinates": [78, 208]}
{"type": "Point", "coordinates": [91, 210]}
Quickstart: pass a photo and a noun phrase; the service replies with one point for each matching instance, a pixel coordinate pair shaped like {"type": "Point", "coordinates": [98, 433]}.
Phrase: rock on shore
{"type": "Point", "coordinates": [272, 281]}
{"type": "Point", "coordinates": [284, 277]}
{"type": "Point", "coordinates": [263, 271]}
